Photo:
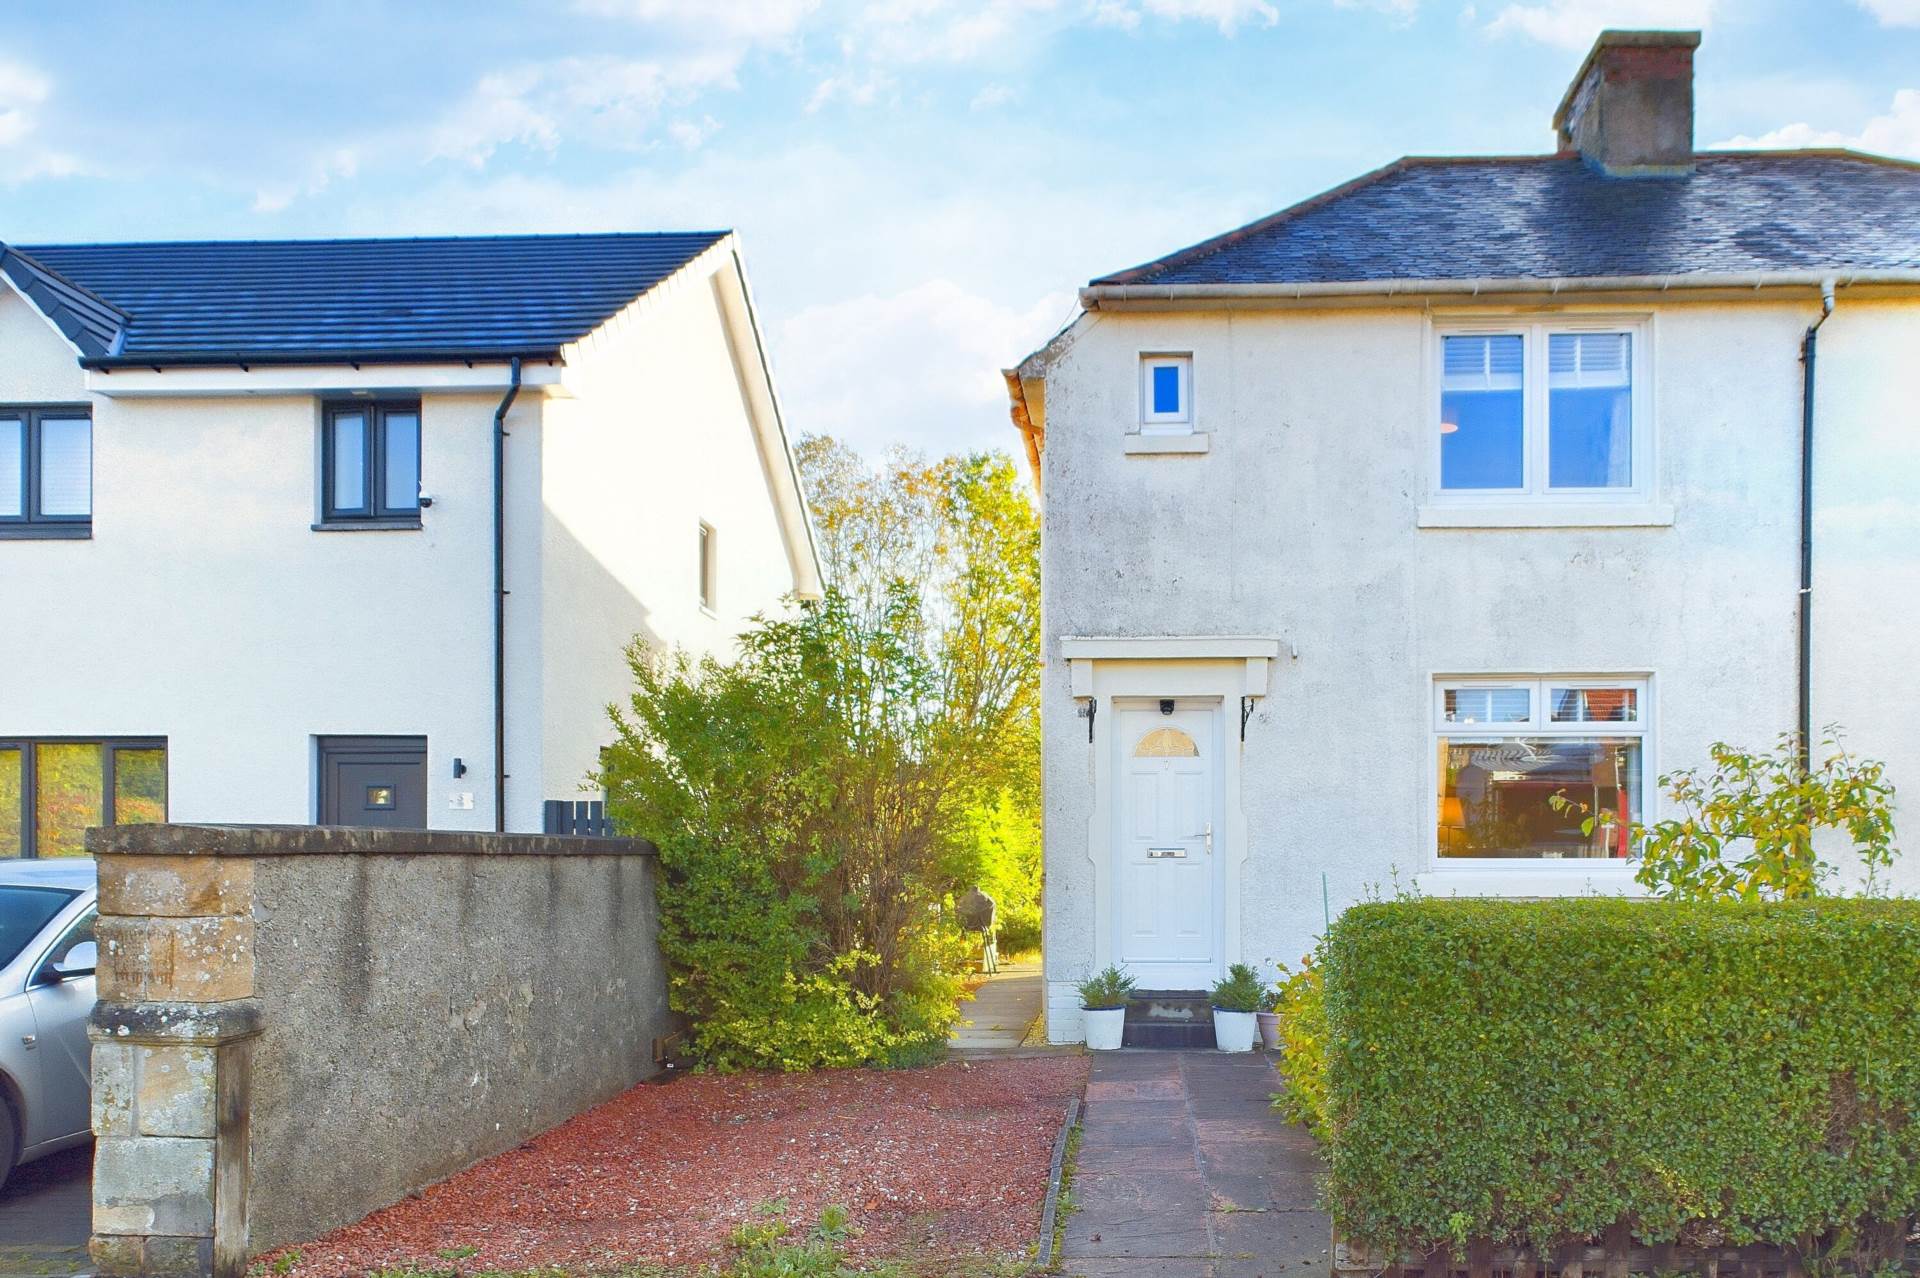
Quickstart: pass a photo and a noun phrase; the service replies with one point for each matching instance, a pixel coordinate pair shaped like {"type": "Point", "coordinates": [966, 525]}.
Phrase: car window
{"type": "Point", "coordinates": [80, 933]}
{"type": "Point", "coordinates": [24, 912]}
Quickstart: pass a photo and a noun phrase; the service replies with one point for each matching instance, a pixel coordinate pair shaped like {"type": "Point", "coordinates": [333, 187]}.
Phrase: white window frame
{"type": "Point", "coordinates": [1175, 423]}
{"type": "Point", "coordinates": [1535, 330]}
{"type": "Point", "coordinates": [1539, 723]}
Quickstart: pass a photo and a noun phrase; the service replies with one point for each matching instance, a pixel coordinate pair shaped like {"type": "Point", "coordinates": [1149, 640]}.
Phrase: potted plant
{"type": "Point", "coordinates": [1236, 997]}
{"type": "Point", "coordinates": [1103, 997]}
{"type": "Point", "coordinates": [1268, 1017]}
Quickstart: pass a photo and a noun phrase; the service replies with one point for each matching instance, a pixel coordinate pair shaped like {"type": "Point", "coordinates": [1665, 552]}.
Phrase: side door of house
{"type": "Point", "coordinates": [378, 781]}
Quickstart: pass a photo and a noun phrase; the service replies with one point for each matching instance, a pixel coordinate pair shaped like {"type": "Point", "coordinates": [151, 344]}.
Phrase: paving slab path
{"type": "Point", "coordinates": [46, 1213]}
{"type": "Point", "coordinates": [1186, 1172]}
{"type": "Point", "coordinates": [1003, 1009]}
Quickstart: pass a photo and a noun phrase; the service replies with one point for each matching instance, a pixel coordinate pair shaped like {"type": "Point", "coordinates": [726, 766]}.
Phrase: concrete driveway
{"type": "Point", "coordinates": [45, 1216]}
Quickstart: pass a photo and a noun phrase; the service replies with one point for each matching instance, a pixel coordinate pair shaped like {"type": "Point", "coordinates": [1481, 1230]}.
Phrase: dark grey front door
{"type": "Point", "coordinates": [374, 781]}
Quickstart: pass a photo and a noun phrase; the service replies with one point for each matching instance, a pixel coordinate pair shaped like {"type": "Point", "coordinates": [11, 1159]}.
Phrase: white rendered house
{"type": "Point", "coordinates": [356, 531]}
{"type": "Point", "coordinates": [1374, 525]}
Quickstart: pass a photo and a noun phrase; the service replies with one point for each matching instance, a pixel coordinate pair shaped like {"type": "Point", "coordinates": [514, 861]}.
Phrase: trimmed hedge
{"type": "Point", "coordinates": [1528, 1073]}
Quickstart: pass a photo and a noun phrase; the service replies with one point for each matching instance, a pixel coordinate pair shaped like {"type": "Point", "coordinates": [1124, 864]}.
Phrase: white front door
{"type": "Point", "coordinates": [1167, 924]}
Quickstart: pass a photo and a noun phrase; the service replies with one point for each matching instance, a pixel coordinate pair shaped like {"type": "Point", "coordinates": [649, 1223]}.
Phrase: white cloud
{"type": "Point", "coordinates": [755, 20]}
{"type": "Point", "coordinates": [693, 134]}
{"type": "Point", "coordinates": [23, 91]}
{"type": "Point", "coordinates": [1895, 133]}
{"type": "Point", "coordinates": [859, 90]}
{"type": "Point", "coordinates": [1573, 24]}
{"type": "Point", "coordinates": [919, 367]}
{"type": "Point", "coordinates": [1894, 13]}
{"type": "Point", "coordinates": [991, 96]}
{"type": "Point", "coordinates": [536, 104]}
{"type": "Point", "coordinates": [1228, 15]}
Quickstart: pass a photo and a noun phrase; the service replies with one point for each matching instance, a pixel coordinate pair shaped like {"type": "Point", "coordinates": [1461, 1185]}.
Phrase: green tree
{"type": "Point", "coordinates": [963, 535]}
{"type": "Point", "coordinates": [1747, 829]}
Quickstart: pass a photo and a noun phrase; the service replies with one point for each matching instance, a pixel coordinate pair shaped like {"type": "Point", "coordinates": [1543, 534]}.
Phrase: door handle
{"type": "Point", "coordinates": [1206, 834]}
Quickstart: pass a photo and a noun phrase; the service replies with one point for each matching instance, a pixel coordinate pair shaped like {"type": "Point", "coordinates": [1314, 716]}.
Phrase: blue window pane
{"type": "Point", "coordinates": [1166, 388]}
{"type": "Point", "coordinates": [403, 462]}
{"type": "Point", "coordinates": [13, 468]}
{"type": "Point", "coordinates": [349, 462]}
{"type": "Point", "coordinates": [1482, 439]}
{"type": "Point", "coordinates": [1589, 410]}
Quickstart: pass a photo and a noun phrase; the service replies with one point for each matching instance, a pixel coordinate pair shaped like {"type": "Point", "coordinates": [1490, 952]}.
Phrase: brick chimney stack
{"type": "Point", "coordinates": [1629, 110]}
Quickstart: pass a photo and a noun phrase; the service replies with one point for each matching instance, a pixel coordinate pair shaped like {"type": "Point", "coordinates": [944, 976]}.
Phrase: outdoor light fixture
{"type": "Point", "coordinates": [459, 769]}
{"type": "Point", "coordinates": [1166, 705]}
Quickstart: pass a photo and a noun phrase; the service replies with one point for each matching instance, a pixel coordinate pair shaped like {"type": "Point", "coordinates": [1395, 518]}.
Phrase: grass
{"type": "Point", "coordinates": [1066, 1204]}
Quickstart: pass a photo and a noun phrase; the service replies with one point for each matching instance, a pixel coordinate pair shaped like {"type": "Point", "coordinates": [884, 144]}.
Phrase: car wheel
{"type": "Point", "coordinates": [9, 1140]}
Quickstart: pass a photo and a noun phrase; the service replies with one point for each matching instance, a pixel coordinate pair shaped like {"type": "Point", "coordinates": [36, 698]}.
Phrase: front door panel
{"type": "Point", "coordinates": [378, 781]}
{"type": "Point", "coordinates": [1167, 777]}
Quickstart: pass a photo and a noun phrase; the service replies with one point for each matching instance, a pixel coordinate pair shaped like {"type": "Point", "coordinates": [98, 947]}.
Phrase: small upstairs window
{"type": "Point", "coordinates": [370, 464]}
{"type": "Point", "coordinates": [707, 567]}
{"type": "Point", "coordinates": [1166, 394]}
{"type": "Point", "coordinates": [46, 472]}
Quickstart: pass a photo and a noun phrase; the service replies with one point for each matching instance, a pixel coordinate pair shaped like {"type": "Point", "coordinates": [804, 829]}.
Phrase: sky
{"type": "Point", "coordinates": [920, 186]}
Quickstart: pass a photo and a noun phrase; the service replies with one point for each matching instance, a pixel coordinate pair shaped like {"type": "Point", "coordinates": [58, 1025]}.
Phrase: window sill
{"type": "Point", "coordinates": [367, 525]}
{"type": "Point", "coordinates": [1564, 878]}
{"type": "Point", "coordinates": [1152, 445]}
{"type": "Point", "coordinates": [1546, 515]}
{"type": "Point", "coordinates": [46, 532]}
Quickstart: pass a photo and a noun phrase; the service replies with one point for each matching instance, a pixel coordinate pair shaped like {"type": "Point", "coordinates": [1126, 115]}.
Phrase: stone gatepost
{"type": "Point", "coordinates": [172, 1053]}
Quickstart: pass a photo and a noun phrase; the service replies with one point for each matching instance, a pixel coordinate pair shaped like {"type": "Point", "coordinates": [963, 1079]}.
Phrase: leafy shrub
{"type": "Point", "coordinates": [1240, 990]}
{"type": "Point", "coordinates": [1530, 1072]}
{"type": "Point", "coordinates": [1744, 831]}
{"type": "Point", "coordinates": [800, 798]}
{"type": "Point", "coordinates": [1111, 988]}
{"type": "Point", "coordinates": [1302, 1008]}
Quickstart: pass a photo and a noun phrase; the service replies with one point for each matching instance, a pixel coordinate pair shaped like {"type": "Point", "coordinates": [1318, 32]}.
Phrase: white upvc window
{"type": "Point", "coordinates": [1166, 394]}
{"type": "Point", "coordinates": [1542, 409]}
{"type": "Point", "coordinates": [1520, 762]}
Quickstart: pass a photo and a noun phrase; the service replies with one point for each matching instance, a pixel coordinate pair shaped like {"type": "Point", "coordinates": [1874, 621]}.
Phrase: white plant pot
{"type": "Point", "coordinates": [1233, 1031]}
{"type": "Point", "coordinates": [1105, 1025]}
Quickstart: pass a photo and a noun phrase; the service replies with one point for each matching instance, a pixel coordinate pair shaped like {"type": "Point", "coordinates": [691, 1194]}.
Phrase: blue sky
{"type": "Point", "coordinates": [920, 184]}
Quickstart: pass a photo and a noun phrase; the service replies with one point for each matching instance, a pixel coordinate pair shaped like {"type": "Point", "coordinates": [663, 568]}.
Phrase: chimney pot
{"type": "Point", "coordinates": [1629, 110]}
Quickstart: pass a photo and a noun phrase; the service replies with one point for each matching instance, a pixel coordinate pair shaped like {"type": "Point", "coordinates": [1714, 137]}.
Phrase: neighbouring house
{"type": "Point", "coordinates": [355, 531]}
{"type": "Point", "coordinates": [1375, 524]}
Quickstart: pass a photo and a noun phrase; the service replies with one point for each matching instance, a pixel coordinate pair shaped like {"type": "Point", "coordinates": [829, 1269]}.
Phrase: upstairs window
{"type": "Point", "coordinates": [1545, 410]}
{"type": "Point", "coordinates": [46, 472]}
{"type": "Point", "coordinates": [370, 460]}
{"type": "Point", "coordinates": [1166, 394]}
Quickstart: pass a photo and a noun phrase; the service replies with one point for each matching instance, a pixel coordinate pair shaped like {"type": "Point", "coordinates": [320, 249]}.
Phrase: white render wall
{"type": "Point", "coordinates": [658, 437]}
{"type": "Point", "coordinates": [1300, 523]}
{"type": "Point", "coordinates": [206, 610]}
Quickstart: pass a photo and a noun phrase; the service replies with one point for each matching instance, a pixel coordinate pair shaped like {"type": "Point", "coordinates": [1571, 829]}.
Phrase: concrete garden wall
{"type": "Point", "coordinates": [299, 1025]}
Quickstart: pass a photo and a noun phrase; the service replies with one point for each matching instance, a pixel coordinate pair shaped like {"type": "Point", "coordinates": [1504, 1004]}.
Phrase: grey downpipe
{"type": "Point", "coordinates": [1804, 654]}
{"type": "Point", "coordinates": [500, 598]}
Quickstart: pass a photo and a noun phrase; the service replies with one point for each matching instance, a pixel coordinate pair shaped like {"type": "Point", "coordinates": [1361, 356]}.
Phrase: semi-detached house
{"type": "Point", "coordinates": [1372, 526]}
{"type": "Point", "coordinates": [356, 531]}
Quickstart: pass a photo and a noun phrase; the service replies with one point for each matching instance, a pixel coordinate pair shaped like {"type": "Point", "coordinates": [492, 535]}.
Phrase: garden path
{"type": "Point", "coordinates": [1185, 1172]}
{"type": "Point", "coordinates": [1003, 1010]}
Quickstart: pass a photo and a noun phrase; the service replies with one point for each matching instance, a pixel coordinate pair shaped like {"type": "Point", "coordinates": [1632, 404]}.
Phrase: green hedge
{"type": "Point", "coordinates": [1533, 1072]}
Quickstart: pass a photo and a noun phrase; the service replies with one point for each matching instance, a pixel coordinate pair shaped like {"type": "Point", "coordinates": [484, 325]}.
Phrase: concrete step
{"type": "Point", "coordinates": [1171, 1019]}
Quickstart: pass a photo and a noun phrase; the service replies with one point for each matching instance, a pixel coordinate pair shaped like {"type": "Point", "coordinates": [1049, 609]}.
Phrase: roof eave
{"type": "Point", "coordinates": [325, 359]}
{"type": "Point", "coordinates": [1274, 293]}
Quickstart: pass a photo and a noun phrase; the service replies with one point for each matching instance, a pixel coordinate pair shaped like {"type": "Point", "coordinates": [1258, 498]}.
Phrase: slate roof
{"type": "Point", "coordinates": [1554, 217]}
{"type": "Point", "coordinates": [288, 301]}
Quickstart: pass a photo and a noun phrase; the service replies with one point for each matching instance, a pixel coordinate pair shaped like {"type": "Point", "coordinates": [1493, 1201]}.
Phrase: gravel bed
{"type": "Point", "coordinates": [949, 1161]}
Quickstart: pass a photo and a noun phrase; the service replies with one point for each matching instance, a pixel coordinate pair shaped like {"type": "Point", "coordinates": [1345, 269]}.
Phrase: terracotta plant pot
{"type": "Point", "coordinates": [1233, 1031]}
{"type": "Point", "coordinates": [1269, 1029]}
{"type": "Point", "coordinates": [1105, 1026]}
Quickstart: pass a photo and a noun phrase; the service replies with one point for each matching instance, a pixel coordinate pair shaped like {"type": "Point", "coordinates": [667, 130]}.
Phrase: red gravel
{"type": "Point", "coordinates": [942, 1162]}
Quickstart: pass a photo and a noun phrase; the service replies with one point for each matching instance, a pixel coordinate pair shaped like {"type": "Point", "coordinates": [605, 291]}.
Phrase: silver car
{"type": "Point", "coordinates": [47, 955]}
